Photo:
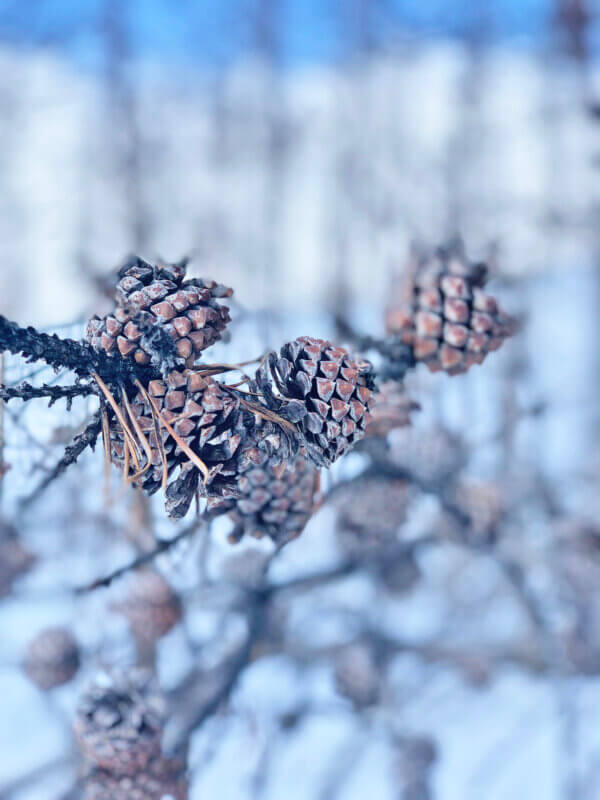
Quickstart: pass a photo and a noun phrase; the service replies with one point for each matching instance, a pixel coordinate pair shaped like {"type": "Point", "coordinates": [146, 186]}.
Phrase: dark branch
{"type": "Point", "coordinates": [25, 391]}
{"type": "Point", "coordinates": [162, 547]}
{"type": "Point", "coordinates": [79, 357]}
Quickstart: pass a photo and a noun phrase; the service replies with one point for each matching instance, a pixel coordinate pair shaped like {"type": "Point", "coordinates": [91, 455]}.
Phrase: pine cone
{"type": "Point", "coordinates": [160, 317]}
{"type": "Point", "coordinates": [52, 658]}
{"type": "Point", "coordinates": [161, 779]}
{"type": "Point", "coordinates": [370, 512]}
{"type": "Point", "coordinates": [357, 675]}
{"type": "Point", "coordinates": [151, 607]}
{"type": "Point", "coordinates": [119, 723]}
{"type": "Point", "coordinates": [441, 311]}
{"type": "Point", "coordinates": [324, 390]}
{"type": "Point", "coordinates": [392, 408]}
{"type": "Point", "coordinates": [432, 456]}
{"type": "Point", "coordinates": [15, 560]}
{"type": "Point", "coordinates": [274, 501]}
{"type": "Point", "coordinates": [194, 424]}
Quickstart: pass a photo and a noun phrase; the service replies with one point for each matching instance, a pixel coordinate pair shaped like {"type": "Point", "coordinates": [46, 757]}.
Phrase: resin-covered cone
{"type": "Point", "coordinates": [191, 434]}
{"type": "Point", "coordinates": [161, 779]}
{"type": "Point", "coordinates": [324, 390]}
{"type": "Point", "coordinates": [440, 310]}
{"type": "Point", "coordinates": [119, 722]}
{"type": "Point", "coordinates": [274, 501]}
{"type": "Point", "coordinates": [52, 658]}
{"type": "Point", "coordinates": [150, 606]}
{"type": "Point", "coordinates": [160, 317]}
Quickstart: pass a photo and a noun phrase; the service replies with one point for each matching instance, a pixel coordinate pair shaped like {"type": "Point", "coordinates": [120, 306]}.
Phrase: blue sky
{"type": "Point", "coordinates": [215, 31]}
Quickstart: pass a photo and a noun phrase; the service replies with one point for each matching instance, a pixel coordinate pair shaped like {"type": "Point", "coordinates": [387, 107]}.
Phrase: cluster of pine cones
{"type": "Point", "coordinates": [253, 451]}
{"type": "Point", "coordinates": [253, 448]}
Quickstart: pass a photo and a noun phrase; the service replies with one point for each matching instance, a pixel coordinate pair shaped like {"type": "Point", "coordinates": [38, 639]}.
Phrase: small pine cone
{"type": "Point", "coordinates": [483, 504]}
{"type": "Point", "coordinates": [151, 607]}
{"type": "Point", "coordinates": [193, 424]}
{"type": "Point", "coordinates": [323, 389]}
{"type": "Point", "coordinates": [161, 779]}
{"type": "Point", "coordinates": [119, 723]}
{"type": "Point", "coordinates": [52, 658]}
{"type": "Point", "coordinates": [274, 501]}
{"type": "Point", "coordinates": [160, 316]}
{"type": "Point", "coordinates": [370, 513]}
{"type": "Point", "coordinates": [392, 408]}
{"type": "Point", "coordinates": [432, 456]}
{"type": "Point", "coordinates": [15, 560]}
{"type": "Point", "coordinates": [441, 311]}
{"type": "Point", "coordinates": [356, 675]}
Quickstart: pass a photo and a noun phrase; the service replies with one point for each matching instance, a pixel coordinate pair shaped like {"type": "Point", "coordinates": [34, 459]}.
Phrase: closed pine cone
{"type": "Point", "coordinates": [439, 309]}
{"type": "Point", "coordinates": [392, 408]}
{"type": "Point", "coordinates": [151, 607]}
{"type": "Point", "coordinates": [158, 313]}
{"type": "Point", "coordinates": [119, 723]}
{"type": "Point", "coordinates": [327, 391]}
{"type": "Point", "coordinates": [432, 456]}
{"type": "Point", "coordinates": [52, 658]}
{"type": "Point", "coordinates": [274, 501]}
{"type": "Point", "coordinates": [193, 424]}
{"type": "Point", "coordinates": [370, 512]}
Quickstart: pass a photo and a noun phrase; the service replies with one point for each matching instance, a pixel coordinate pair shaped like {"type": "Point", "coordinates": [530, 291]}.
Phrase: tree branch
{"type": "Point", "coordinates": [26, 391]}
{"type": "Point", "coordinates": [81, 442]}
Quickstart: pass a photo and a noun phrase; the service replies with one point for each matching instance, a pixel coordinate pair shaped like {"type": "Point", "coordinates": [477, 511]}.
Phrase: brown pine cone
{"type": "Point", "coordinates": [119, 722]}
{"type": "Point", "coordinates": [274, 501]}
{"type": "Point", "coordinates": [324, 390]}
{"type": "Point", "coordinates": [192, 423]}
{"type": "Point", "coordinates": [392, 408]}
{"type": "Point", "coordinates": [441, 311]}
{"type": "Point", "coordinates": [159, 315]}
{"type": "Point", "coordinates": [356, 675]}
{"type": "Point", "coordinates": [161, 779]}
{"type": "Point", "coordinates": [370, 512]}
{"type": "Point", "coordinates": [151, 607]}
{"type": "Point", "coordinates": [52, 658]}
{"type": "Point", "coordinates": [15, 560]}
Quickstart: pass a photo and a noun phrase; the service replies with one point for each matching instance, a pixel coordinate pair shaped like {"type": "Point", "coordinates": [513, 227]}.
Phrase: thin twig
{"type": "Point", "coordinates": [162, 547]}
{"type": "Point", "coordinates": [81, 442]}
